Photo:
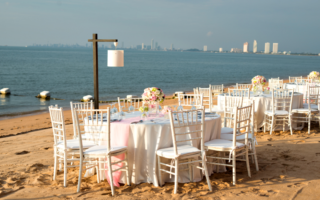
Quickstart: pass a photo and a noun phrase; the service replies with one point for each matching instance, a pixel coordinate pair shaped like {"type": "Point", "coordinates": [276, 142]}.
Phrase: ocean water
{"type": "Point", "coordinates": [68, 73]}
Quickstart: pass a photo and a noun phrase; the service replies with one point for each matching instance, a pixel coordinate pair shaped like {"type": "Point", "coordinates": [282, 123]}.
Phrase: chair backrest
{"type": "Point", "coordinates": [216, 89]}
{"type": "Point", "coordinates": [187, 127]}
{"type": "Point", "coordinates": [304, 80]}
{"type": "Point", "coordinates": [58, 126]}
{"type": "Point", "coordinates": [248, 102]}
{"type": "Point", "coordinates": [95, 123]}
{"type": "Point", "coordinates": [207, 96]}
{"type": "Point", "coordinates": [282, 100]}
{"type": "Point", "coordinates": [239, 92]}
{"type": "Point", "coordinates": [230, 102]}
{"type": "Point", "coordinates": [313, 95]}
{"type": "Point", "coordinates": [78, 105]}
{"type": "Point", "coordinates": [187, 100]}
{"type": "Point", "coordinates": [242, 122]}
{"type": "Point", "coordinates": [292, 79]}
{"type": "Point", "coordinates": [244, 86]}
{"type": "Point", "coordinates": [125, 103]}
{"type": "Point", "coordinates": [275, 83]}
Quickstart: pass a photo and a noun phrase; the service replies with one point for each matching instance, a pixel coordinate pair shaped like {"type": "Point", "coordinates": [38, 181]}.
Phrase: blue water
{"type": "Point", "coordinates": [68, 73]}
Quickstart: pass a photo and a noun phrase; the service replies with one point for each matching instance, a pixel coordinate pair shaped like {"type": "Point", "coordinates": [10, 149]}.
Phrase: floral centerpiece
{"type": "Point", "coordinates": [165, 111]}
{"type": "Point", "coordinates": [314, 75]}
{"type": "Point", "coordinates": [152, 97]}
{"type": "Point", "coordinates": [258, 82]}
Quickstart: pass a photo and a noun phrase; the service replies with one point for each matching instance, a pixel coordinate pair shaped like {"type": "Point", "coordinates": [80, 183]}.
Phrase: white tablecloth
{"type": "Point", "coordinates": [263, 103]}
{"type": "Point", "coordinates": [147, 137]}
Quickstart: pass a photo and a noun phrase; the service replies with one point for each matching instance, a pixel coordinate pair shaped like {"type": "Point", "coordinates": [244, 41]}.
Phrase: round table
{"type": "Point", "coordinates": [263, 103]}
{"type": "Point", "coordinates": [146, 137]}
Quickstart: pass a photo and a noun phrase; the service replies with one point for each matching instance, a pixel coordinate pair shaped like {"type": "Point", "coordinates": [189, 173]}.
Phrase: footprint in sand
{"type": "Point", "coordinates": [22, 152]}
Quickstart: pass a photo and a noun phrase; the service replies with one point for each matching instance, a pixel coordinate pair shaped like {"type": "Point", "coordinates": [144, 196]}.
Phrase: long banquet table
{"type": "Point", "coordinates": [146, 138]}
{"type": "Point", "coordinates": [263, 103]}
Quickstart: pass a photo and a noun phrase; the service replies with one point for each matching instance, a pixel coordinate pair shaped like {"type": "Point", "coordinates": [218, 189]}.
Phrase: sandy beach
{"type": "Point", "coordinates": [289, 168]}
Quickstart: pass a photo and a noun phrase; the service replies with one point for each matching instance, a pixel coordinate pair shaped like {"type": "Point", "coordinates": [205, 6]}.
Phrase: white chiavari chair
{"type": "Point", "coordinates": [292, 79]}
{"type": "Point", "coordinates": [241, 126]}
{"type": "Point", "coordinates": [97, 123]}
{"type": "Point", "coordinates": [275, 84]}
{"type": "Point", "coordinates": [187, 101]}
{"type": "Point", "coordinates": [186, 128]}
{"type": "Point", "coordinates": [78, 105]}
{"type": "Point", "coordinates": [230, 102]}
{"type": "Point", "coordinates": [64, 150]}
{"type": "Point", "coordinates": [207, 97]}
{"type": "Point", "coordinates": [304, 115]}
{"type": "Point", "coordinates": [281, 110]}
{"type": "Point", "coordinates": [216, 90]}
{"type": "Point", "coordinates": [239, 92]}
{"type": "Point", "coordinates": [244, 86]}
{"type": "Point", "coordinates": [251, 136]}
{"type": "Point", "coordinates": [129, 104]}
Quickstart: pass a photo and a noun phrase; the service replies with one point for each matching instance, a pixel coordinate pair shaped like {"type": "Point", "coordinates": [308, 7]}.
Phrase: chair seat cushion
{"type": "Point", "coordinates": [312, 106]}
{"type": "Point", "coordinates": [302, 110]}
{"type": "Point", "coordinates": [182, 151]}
{"type": "Point", "coordinates": [230, 136]}
{"type": "Point", "coordinates": [98, 150]}
{"type": "Point", "coordinates": [74, 144]}
{"type": "Point", "coordinates": [277, 112]}
{"type": "Point", "coordinates": [222, 145]}
{"type": "Point", "coordinates": [226, 130]}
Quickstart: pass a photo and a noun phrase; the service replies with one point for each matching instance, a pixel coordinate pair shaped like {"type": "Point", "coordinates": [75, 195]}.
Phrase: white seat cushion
{"type": "Point", "coordinates": [74, 144]}
{"type": "Point", "coordinates": [312, 106]}
{"type": "Point", "coordinates": [302, 110]}
{"type": "Point", "coordinates": [222, 145]}
{"type": "Point", "coordinates": [277, 112]}
{"type": "Point", "coordinates": [182, 150]}
{"type": "Point", "coordinates": [230, 136]}
{"type": "Point", "coordinates": [226, 130]}
{"type": "Point", "coordinates": [98, 150]}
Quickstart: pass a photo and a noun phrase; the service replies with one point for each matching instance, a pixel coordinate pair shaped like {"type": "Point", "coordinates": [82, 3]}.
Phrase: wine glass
{"type": "Point", "coordinates": [180, 108]}
{"type": "Point", "coordinates": [192, 106]}
{"type": "Point", "coordinates": [121, 114]}
{"type": "Point", "coordinates": [131, 109]}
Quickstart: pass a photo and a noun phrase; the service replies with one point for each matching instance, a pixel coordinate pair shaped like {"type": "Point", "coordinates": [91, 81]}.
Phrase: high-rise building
{"type": "Point", "coordinates": [235, 50]}
{"type": "Point", "coordinates": [205, 48]}
{"type": "Point", "coordinates": [245, 47]}
{"type": "Point", "coordinates": [275, 48]}
{"type": "Point", "coordinates": [267, 47]}
{"type": "Point", "coordinates": [152, 44]}
{"type": "Point", "coordinates": [220, 49]}
{"type": "Point", "coordinates": [142, 46]}
{"type": "Point", "coordinates": [255, 46]}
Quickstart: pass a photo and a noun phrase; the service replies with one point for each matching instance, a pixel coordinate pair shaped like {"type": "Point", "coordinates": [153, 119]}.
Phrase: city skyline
{"type": "Point", "coordinates": [187, 24]}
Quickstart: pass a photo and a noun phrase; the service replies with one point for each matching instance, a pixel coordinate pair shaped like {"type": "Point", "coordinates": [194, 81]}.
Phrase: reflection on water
{"type": "Point", "coordinates": [4, 99]}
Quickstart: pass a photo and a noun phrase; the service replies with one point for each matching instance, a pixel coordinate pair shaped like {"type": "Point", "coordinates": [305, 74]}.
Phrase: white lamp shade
{"type": "Point", "coordinates": [115, 58]}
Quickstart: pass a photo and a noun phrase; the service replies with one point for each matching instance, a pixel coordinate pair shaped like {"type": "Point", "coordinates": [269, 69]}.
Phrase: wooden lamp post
{"type": "Point", "coordinates": [115, 59]}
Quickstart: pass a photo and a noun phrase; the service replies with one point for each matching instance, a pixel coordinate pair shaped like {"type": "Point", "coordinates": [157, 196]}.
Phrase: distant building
{"type": "Point", "coordinates": [142, 46]}
{"type": "Point", "coordinates": [245, 47]}
{"type": "Point", "coordinates": [319, 54]}
{"type": "Point", "coordinates": [236, 50]}
{"type": "Point", "coordinates": [284, 52]}
{"type": "Point", "coordinates": [275, 48]}
{"type": "Point", "coordinates": [152, 44]}
{"type": "Point", "coordinates": [255, 46]}
{"type": "Point", "coordinates": [205, 48]}
{"type": "Point", "coordinates": [267, 47]}
{"type": "Point", "coordinates": [220, 49]}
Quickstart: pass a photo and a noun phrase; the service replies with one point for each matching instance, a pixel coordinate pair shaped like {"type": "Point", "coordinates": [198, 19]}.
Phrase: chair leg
{"type": "Point", "coordinates": [190, 170]}
{"type": "Point", "coordinates": [290, 124]}
{"type": "Point", "coordinates": [255, 156]}
{"type": "Point", "coordinates": [110, 174]}
{"type": "Point", "coordinates": [218, 166]}
{"type": "Point", "coordinates": [176, 178]}
{"type": "Point", "coordinates": [309, 122]}
{"type": "Point", "coordinates": [264, 123]}
{"type": "Point", "coordinates": [55, 164]}
{"type": "Point", "coordinates": [65, 168]}
{"type": "Point", "coordinates": [204, 165]}
{"type": "Point", "coordinates": [98, 170]}
{"type": "Point", "coordinates": [159, 171]}
{"type": "Point", "coordinates": [271, 127]}
{"type": "Point", "coordinates": [234, 168]}
{"type": "Point", "coordinates": [80, 174]}
{"type": "Point", "coordinates": [127, 169]}
{"type": "Point", "coordinates": [248, 162]}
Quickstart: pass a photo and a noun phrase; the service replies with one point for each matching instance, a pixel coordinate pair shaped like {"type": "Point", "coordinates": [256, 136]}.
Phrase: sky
{"type": "Point", "coordinates": [294, 24]}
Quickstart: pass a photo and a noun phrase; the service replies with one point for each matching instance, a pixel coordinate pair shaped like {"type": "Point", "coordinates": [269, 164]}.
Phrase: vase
{"type": "Point", "coordinates": [144, 115]}
{"type": "Point", "coordinates": [154, 108]}
{"type": "Point", "coordinates": [259, 90]}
